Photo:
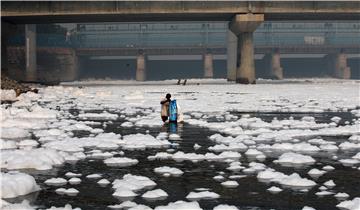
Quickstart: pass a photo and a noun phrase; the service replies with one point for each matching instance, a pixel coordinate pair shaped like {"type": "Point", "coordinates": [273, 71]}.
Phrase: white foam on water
{"type": "Point", "coordinates": [274, 189]}
{"type": "Point", "coordinates": [142, 141]}
{"type": "Point", "coordinates": [94, 176]}
{"type": "Point", "coordinates": [71, 174]}
{"type": "Point", "coordinates": [56, 181]}
{"type": "Point", "coordinates": [7, 144]}
{"type": "Point", "coordinates": [293, 181]}
{"type": "Point", "coordinates": [180, 205]}
{"type": "Point", "coordinates": [14, 184]}
{"type": "Point", "coordinates": [170, 170]}
{"type": "Point", "coordinates": [126, 187]}
{"type": "Point", "coordinates": [316, 172]}
{"type": "Point", "coordinates": [230, 184]}
{"type": "Point", "coordinates": [294, 159]}
{"type": "Point", "coordinates": [66, 207]}
{"type": "Point", "coordinates": [341, 195]}
{"type": "Point", "coordinates": [197, 146]}
{"type": "Point", "coordinates": [349, 162]}
{"type": "Point", "coordinates": [60, 191]}
{"type": "Point", "coordinates": [218, 178]}
{"type": "Point", "coordinates": [357, 156]}
{"type": "Point", "coordinates": [103, 182]}
{"type": "Point", "coordinates": [329, 184]}
{"type": "Point", "coordinates": [174, 137]}
{"type": "Point", "coordinates": [27, 144]}
{"type": "Point", "coordinates": [98, 116]}
{"type": "Point", "coordinates": [39, 159]}
{"type": "Point", "coordinates": [225, 207]}
{"type": "Point", "coordinates": [74, 181]}
{"type": "Point", "coordinates": [120, 162]}
{"type": "Point", "coordinates": [323, 193]}
{"type": "Point", "coordinates": [308, 208]}
{"type": "Point", "coordinates": [155, 194]}
{"type": "Point", "coordinates": [202, 195]}
{"type": "Point", "coordinates": [160, 156]}
{"type": "Point", "coordinates": [123, 205]}
{"type": "Point", "coordinates": [36, 114]}
{"type": "Point", "coordinates": [24, 205]}
{"type": "Point", "coordinates": [71, 192]}
{"type": "Point", "coordinates": [350, 205]}
{"type": "Point", "coordinates": [328, 168]}
{"type": "Point", "coordinates": [14, 133]}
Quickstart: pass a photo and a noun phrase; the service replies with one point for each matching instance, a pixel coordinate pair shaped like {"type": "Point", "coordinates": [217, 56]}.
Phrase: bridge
{"type": "Point", "coordinates": [243, 17]}
{"type": "Point", "coordinates": [141, 11]}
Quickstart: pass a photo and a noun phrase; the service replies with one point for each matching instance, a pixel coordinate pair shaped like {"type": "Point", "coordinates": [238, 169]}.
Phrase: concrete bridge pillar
{"type": "Point", "coordinates": [276, 69]}
{"type": "Point", "coordinates": [4, 37]}
{"type": "Point", "coordinates": [68, 64]}
{"type": "Point", "coordinates": [338, 65]}
{"type": "Point", "coordinates": [30, 52]}
{"type": "Point", "coordinates": [231, 55]}
{"type": "Point", "coordinates": [245, 72]}
{"type": "Point", "coordinates": [140, 68]}
{"type": "Point", "coordinates": [208, 66]}
{"type": "Point", "coordinates": [243, 25]}
{"type": "Point", "coordinates": [342, 71]}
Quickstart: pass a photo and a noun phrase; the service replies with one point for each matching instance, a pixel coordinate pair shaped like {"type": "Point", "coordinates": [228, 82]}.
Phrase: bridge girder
{"type": "Point", "coordinates": [135, 11]}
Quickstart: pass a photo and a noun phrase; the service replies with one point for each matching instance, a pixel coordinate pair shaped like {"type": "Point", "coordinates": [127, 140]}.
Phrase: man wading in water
{"type": "Point", "coordinates": [170, 110]}
{"type": "Point", "coordinates": [165, 107]}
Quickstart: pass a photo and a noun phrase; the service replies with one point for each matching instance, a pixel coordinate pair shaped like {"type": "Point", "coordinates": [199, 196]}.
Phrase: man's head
{"type": "Point", "coordinates": [168, 96]}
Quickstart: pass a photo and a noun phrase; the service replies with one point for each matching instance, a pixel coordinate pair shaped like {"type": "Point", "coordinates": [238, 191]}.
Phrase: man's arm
{"type": "Point", "coordinates": [163, 101]}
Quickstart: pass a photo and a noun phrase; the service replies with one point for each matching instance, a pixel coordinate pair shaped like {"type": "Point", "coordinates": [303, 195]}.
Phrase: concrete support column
{"type": "Point", "coordinates": [231, 55]}
{"type": "Point", "coordinates": [342, 71]}
{"type": "Point", "coordinates": [208, 66]}
{"type": "Point", "coordinates": [243, 25]}
{"type": "Point", "coordinates": [276, 69]}
{"type": "Point", "coordinates": [69, 65]}
{"type": "Point", "coordinates": [245, 73]}
{"type": "Point", "coordinates": [140, 68]}
{"type": "Point", "coordinates": [337, 63]}
{"type": "Point", "coordinates": [4, 36]}
{"type": "Point", "coordinates": [30, 52]}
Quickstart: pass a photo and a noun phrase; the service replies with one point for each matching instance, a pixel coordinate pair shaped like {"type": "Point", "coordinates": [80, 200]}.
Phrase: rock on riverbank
{"type": "Point", "coordinates": [10, 84]}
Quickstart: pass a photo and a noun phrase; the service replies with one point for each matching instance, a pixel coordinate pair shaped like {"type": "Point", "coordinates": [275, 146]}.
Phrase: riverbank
{"type": "Point", "coordinates": [10, 84]}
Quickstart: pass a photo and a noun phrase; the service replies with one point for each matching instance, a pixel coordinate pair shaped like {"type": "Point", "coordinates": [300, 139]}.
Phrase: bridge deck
{"type": "Point", "coordinates": [135, 11]}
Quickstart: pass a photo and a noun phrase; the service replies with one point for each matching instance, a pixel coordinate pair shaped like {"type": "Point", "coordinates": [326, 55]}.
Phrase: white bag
{"type": "Point", "coordinates": [180, 116]}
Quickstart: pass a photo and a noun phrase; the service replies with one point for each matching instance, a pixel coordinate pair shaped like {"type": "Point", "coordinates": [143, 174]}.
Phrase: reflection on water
{"type": "Point", "coordinates": [32, 197]}
{"type": "Point", "coordinates": [172, 127]}
{"type": "Point", "coordinates": [250, 194]}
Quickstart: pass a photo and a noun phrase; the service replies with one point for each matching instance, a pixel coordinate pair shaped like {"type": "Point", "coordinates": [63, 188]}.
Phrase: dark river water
{"type": "Point", "coordinates": [250, 194]}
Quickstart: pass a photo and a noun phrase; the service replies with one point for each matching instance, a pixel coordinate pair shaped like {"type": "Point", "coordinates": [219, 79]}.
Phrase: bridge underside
{"type": "Point", "coordinates": [243, 17]}
{"type": "Point", "coordinates": [82, 18]}
{"type": "Point", "coordinates": [216, 51]}
{"type": "Point", "coordinates": [137, 11]}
